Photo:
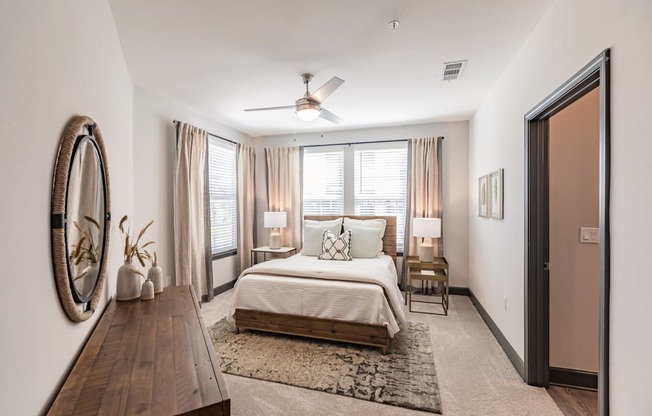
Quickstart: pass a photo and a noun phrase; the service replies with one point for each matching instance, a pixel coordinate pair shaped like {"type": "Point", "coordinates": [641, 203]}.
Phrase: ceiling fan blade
{"type": "Point", "coordinates": [326, 90]}
{"type": "Point", "coordinates": [327, 115]}
{"type": "Point", "coordinates": [284, 107]}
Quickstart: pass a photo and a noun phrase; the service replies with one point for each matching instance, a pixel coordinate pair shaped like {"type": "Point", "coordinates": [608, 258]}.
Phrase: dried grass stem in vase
{"type": "Point", "coordinates": [128, 283]}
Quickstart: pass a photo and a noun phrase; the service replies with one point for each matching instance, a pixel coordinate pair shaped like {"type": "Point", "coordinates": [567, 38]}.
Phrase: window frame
{"type": "Point", "coordinates": [393, 145]}
{"type": "Point", "coordinates": [324, 150]}
{"type": "Point", "coordinates": [348, 151]}
{"type": "Point", "coordinates": [227, 145]}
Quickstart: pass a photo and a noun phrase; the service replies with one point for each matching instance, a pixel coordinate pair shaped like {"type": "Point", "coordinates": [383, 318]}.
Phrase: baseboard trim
{"type": "Point", "coordinates": [461, 291]}
{"type": "Point", "coordinates": [567, 377]}
{"type": "Point", "coordinates": [517, 362]}
{"type": "Point", "coordinates": [220, 289]}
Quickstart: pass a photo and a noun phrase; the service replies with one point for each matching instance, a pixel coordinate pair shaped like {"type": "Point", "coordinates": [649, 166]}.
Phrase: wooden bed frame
{"type": "Point", "coordinates": [331, 329]}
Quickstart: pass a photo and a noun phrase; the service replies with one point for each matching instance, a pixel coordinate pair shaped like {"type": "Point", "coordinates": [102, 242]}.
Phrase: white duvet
{"type": "Point", "coordinates": [361, 290]}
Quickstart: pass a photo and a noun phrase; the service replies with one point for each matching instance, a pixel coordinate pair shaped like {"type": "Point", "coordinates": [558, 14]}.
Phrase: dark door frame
{"type": "Point", "coordinates": [537, 290]}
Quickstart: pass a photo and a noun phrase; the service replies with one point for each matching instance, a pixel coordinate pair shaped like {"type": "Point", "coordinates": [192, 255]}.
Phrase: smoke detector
{"type": "Point", "coordinates": [452, 70]}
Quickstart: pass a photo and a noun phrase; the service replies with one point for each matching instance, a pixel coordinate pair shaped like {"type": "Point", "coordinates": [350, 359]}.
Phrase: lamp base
{"type": "Point", "coordinates": [274, 241]}
{"type": "Point", "coordinates": [426, 253]}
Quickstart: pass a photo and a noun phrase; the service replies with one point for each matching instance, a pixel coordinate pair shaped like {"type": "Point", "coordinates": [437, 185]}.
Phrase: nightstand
{"type": "Point", "coordinates": [285, 251]}
{"type": "Point", "coordinates": [437, 271]}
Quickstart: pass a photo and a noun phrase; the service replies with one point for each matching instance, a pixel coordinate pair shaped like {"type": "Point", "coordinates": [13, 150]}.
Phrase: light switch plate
{"type": "Point", "coordinates": [589, 235]}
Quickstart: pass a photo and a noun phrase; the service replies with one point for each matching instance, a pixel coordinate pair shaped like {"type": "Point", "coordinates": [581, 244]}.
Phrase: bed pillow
{"type": "Point", "coordinates": [313, 234]}
{"type": "Point", "coordinates": [376, 223]}
{"type": "Point", "coordinates": [336, 248]}
{"type": "Point", "coordinates": [366, 241]}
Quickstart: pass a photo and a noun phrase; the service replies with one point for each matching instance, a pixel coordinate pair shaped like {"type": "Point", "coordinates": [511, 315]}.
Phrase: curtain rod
{"type": "Point", "coordinates": [354, 143]}
{"type": "Point", "coordinates": [211, 134]}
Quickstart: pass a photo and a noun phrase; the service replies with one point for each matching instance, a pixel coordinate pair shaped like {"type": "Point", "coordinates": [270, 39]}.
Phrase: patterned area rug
{"type": "Point", "coordinates": [405, 377]}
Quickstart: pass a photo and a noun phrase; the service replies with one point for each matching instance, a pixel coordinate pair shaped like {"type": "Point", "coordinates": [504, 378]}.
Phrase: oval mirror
{"type": "Point", "coordinates": [85, 218]}
{"type": "Point", "coordinates": [80, 218]}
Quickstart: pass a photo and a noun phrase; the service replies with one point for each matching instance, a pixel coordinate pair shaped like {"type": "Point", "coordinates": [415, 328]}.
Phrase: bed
{"type": "Point", "coordinates": [354, 301]}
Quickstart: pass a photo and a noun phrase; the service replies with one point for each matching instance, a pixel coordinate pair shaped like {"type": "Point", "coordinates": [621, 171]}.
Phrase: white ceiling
{"type": "Point", "coordinates": [221, 56]}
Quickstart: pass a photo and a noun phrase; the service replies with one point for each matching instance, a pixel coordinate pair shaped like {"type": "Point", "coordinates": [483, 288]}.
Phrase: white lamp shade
{"type": "Point", "coordinates": [275, 219]}
{"type": "Point", "coordinates": [426, 227]}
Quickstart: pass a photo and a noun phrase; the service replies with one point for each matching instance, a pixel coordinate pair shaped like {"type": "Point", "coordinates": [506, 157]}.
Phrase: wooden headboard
{"type": "Point", "coordinates": [389, 240]}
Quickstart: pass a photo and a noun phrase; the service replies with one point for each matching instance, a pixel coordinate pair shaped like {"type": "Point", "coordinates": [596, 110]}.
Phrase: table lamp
{"type": "Point", "coordinates": [275, 221]}
{"type": "Point", "coordinates": [426, 228]}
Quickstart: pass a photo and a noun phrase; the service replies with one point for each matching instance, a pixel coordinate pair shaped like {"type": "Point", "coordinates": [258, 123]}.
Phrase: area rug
{"type": "Point", "coordinates": [405, 377]}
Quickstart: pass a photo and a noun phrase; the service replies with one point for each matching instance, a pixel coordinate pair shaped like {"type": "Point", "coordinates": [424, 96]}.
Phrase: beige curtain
{"type": "Point", "coordinates": [190, 233]}
{"type": "Point", "coordinates": [424, 190]}
{"type": "Point", "coordinates": [246, 204]}
{"type": "Point", "coordinates": [284, 190]}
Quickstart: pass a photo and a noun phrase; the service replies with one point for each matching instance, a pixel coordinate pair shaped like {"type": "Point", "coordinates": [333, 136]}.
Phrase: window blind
{"type": "Point", "coordinates": [380, 185]}
{"type": "Point", "coordinates": [222, 185]}
{"type": "Point", "coordinates": [323, 183]}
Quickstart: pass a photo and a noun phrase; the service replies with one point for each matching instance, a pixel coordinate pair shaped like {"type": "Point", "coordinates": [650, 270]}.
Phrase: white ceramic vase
{"type": "Point", "coordinates": [147, 291]}
{"type": "Point", "coordinates": [86, 284]}
{"type": "Point", "coordinates": [128, 285]}
{"type": "Point", "coordinates": [155, 274]}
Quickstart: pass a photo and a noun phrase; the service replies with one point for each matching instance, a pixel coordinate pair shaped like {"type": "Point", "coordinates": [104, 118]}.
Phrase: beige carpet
{"type": "Point", "coordinates": [475, 376]}
{"type": "Point", "coordinates": [405, 377]}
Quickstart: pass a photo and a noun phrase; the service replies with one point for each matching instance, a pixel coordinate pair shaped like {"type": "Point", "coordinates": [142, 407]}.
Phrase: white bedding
{"type": "Point", "coordinates": [357, 295]}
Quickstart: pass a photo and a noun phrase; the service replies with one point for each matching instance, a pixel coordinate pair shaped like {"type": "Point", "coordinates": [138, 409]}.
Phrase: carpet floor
{"type": "Point", "coordinates": [405, 377]}
{"type": "Point", "coordinates": [475, 376]}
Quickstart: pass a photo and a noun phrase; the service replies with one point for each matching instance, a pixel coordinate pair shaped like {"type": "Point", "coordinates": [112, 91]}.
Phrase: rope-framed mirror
{"type": "Point", "coordinates": [80, 218]}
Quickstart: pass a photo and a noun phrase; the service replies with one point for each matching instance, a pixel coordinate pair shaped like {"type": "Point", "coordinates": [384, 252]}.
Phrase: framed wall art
{"type": "Point", "coordinates": [483, 196]}
{"type": "Point", "coordinates": [496, 194]}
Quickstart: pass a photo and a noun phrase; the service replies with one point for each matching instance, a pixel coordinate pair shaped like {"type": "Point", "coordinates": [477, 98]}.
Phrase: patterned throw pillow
{"type": "Point", "coordinates": [336, 248]}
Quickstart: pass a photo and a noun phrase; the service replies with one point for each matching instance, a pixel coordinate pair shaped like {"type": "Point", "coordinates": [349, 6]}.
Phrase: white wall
{"type": "Point", "coordinates": [57, 59]}
{"type": "Point", "coordinates": [154, 159]}
{"type": "Point", "coordinates": [569, 35]}
{"type": "Point", "coordinates": [574, 178]}
{"type": "Point", "coordinates": [454, 171]}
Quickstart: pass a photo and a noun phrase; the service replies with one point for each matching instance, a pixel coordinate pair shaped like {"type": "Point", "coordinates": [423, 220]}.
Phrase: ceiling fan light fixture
{"type": "Point", "coordinates": [308, 111]}
{"type": "Point", "coordinates": [308, 107]}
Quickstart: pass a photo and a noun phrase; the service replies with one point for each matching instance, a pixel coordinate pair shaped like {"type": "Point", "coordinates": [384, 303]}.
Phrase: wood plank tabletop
{"type": "Point", "coordinates": [147, 358]}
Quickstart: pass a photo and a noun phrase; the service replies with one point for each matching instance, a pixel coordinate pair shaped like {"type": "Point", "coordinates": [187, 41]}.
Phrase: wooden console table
{"type": "Point", "coordinates": [147, 357]}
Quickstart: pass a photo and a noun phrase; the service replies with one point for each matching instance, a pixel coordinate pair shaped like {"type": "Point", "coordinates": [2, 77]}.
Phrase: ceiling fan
{"type": "Point", "coordinates": [309, 107]}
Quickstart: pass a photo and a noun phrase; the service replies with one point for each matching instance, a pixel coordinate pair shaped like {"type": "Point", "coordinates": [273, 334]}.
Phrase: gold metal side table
{"type": "Point", "coordinates": [283, 251]}
{"type": "Point", "coordinates": [437, 271]}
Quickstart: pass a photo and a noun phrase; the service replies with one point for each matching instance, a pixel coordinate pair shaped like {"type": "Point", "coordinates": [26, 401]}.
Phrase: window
{"type": "Point", "coordinates": [365, 179]}
{"type": "Point", "coordinates": [323, 182]}
{"type": "Point", "coordinates": [380, 185]}
{"type": "Point", "coordinates": [222, 185]}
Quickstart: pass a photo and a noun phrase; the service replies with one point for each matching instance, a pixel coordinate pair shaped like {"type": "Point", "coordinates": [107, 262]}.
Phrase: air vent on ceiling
{"type": "Point", "coordinates": [453, 70]}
